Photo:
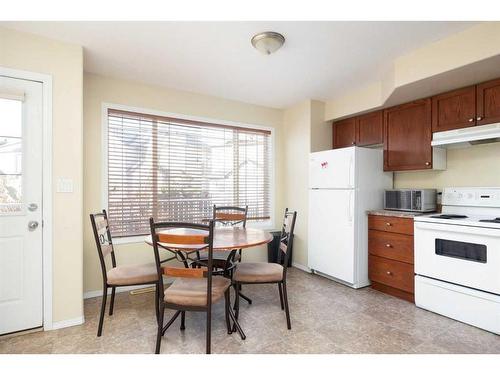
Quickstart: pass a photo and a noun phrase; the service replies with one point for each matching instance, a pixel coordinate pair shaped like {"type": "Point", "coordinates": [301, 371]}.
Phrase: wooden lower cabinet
{"type": "Point", "coordinates": [390, 259]}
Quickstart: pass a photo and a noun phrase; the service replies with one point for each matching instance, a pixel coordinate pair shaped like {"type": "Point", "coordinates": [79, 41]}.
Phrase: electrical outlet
{"type": "Point", "coordinates": [64, 185]}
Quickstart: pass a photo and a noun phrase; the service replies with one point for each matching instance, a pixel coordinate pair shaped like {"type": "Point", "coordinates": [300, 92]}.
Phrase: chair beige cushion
{"type": "Point", "coordinates": [132, 274]}
{"type": "Point", "coordinates": [258, 272]}
{"type": "Point", "coordinates": [193, 292]}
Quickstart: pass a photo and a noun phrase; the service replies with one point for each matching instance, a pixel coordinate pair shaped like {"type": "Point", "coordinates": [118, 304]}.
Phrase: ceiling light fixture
{"type": "Point", "coordinates": [268, 42]}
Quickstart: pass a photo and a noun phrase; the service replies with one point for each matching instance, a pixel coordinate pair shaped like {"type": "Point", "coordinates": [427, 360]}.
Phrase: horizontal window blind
{"type": "Point", "coordinates": [176, 170]}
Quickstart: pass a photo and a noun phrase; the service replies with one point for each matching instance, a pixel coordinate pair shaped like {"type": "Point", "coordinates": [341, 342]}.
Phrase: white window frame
{"type": "Point", "coordinates": [265, 225]}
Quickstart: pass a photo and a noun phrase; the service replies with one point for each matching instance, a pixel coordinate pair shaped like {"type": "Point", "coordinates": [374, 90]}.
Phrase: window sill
{"type": "Point", "coordinates": [128, 240]}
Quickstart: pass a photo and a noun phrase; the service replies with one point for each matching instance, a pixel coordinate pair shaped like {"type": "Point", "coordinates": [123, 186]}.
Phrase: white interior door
{"type": "Point", "coordinates": [331, 233]}
{"type": "Point", "coordinates": [21, 287]}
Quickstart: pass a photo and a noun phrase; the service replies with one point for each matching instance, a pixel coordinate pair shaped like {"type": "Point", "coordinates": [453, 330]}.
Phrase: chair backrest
{"type": "Point", "coordinates": [230, 215]}
{"type": "Point", "coordinates": [185, 239]}
{"type": "Point", "coordinates": [103, 240]}
{"type": "Point", "coordinates": [286, 238]}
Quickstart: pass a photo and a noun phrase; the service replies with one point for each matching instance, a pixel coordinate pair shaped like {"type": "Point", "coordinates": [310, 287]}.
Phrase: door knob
{"type": "Point", "coordinates": [479, 118]}
{"type": "Point", "coordinates": [389, 272]}
{"type": "Point", "coordinates": [471, 120]}
{"type": "Point", "coordinates": [32, 225]}
{"type": "Point", "coordinates": [388, 245]}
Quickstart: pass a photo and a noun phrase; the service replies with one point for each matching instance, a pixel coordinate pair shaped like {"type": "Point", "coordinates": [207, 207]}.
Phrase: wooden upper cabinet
{"type": "Point", "coordinates": [454, 110]}
{"type": "Point", "coordinates": [408, 136]}
{"type": "Point", "coordinates": [370, 129]}
{"type": "Point", "coordinates": [488, 102]}
{"type": "Point", "coordinates": [344, 133]}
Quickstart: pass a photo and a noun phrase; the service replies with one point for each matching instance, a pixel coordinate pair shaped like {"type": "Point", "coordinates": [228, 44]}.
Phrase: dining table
{"type": "Point", "coordinates": [228, 239]}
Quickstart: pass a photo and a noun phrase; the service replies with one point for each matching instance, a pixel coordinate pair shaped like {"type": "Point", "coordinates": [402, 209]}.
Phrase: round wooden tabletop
{"type": "Point", "coordinates": [224, 238]}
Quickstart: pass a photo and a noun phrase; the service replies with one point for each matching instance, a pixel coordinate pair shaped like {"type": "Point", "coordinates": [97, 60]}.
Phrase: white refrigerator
{"type": "Point", "coordinates": [343, 184]}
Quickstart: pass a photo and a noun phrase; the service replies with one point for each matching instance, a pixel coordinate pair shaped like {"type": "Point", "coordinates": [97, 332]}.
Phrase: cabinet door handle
{"type": "Point", "coordinates": [353, 143]}
{"type": "Point", "coordinates": [479, 118]}
{"type": "Point", "coordinates": [389, 273]}
{"type": "Point", "coordinates": [427, 163]}
{"type": "Point", "coordinates": [471, 120]}
{"type": "Point", "coordinates": [388, 224]}
{"type": "Point", "coordinates": [388, 245]}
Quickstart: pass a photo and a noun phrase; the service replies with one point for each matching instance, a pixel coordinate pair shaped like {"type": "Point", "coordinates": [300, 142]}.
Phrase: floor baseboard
{"type": "Point", "coordinates": [68, 323]}
{"type": "Point", "coordinates": [120, 289]}
{"type": "Point", "coordinates": [301, 267]}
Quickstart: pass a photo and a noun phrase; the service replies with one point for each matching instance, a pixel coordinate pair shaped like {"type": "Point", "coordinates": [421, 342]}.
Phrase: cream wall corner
{"type": "Point", "coordinates": [98, 90]}
{"type": "Point", "coordinates": [64, 62]}
{"type": "Point", "coordinates": [458, 60]}
{"type": "Point", "coordinates": [305, 131]}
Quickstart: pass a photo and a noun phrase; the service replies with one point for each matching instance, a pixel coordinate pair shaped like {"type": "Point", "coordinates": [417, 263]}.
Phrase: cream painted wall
{"type": "Point", "coordinates": [64, 62]}
{"type": "Point", "coordinates": [305, 131]}
{"type": "Point", "coordinates": [98, 89]}
{"type": "Point", "coordinates": [419, 71]}
{"type": "Point", "coordinates": [321, 130]}
{"type": "Point", "coordinates": [297, 144]}
{"type": "Point", "coordinates": [472, 166]}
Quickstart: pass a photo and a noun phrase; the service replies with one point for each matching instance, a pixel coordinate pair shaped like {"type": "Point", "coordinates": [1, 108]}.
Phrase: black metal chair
{"type": "Point", "coordinates": [270, 273]}
{"type": "Point", "coordinates": [228, 216]}
{"type": "Point", "coordinates": [193, 289]}
{"type": "Point", "coordinates": [127, 275]}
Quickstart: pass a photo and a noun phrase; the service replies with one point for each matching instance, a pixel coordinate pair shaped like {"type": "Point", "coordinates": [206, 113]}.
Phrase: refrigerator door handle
{"type": "Point", "coordinates": [350, 172]}
{"type": "Point", "coordinates": [350, 207]}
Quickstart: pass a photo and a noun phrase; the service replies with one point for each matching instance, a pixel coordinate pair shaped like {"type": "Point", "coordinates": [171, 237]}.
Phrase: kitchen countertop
{"type": "Point", "coordinates": [395, 213]}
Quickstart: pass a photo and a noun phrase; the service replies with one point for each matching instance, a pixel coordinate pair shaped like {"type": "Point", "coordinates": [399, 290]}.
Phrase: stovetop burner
{"type": "Point", "coordinates": [495, 220]}
{"type": "Point", "coordinates": [449, 216]}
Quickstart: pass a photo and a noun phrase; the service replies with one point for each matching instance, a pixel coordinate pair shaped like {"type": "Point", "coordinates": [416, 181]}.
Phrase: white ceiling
{"type": "Point", "coordinates": [320, 60]}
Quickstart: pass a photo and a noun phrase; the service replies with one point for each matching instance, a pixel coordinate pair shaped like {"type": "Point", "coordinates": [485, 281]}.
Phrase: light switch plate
{"type": "Point", "coordinates": [64, 185]}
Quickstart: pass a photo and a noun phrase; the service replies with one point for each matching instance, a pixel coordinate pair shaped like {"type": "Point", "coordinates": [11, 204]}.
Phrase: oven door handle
{"type": "Point", "coordinates": [453, 228]}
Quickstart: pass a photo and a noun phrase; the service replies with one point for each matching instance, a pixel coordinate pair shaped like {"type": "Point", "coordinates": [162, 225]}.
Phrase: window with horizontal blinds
{"type": "Point", "coordinates": [176, 170]}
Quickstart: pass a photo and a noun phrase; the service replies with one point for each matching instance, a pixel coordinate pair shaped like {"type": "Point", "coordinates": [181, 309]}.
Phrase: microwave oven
{"type": "Point", "coordinates": [416, 200]}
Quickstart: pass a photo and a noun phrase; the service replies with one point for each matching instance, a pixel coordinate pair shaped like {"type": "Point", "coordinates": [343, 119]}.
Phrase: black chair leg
{"type": "Point", "coordinates": [227, 307]}
{"type": "Point", "coordinates": [287, 310]}
{"type": "Point", "coordinates": [103, 310]}
{"type": "Point", "coordinates": [236, 303]}
{"type": "Point", "coordinates": [183, 320]}
{"type": "Point", "coordinates": [157, 301]}
{"type": "Point", "coordinates": [112, 301]}
{"type": "Point", "coordinates": [160, 329]}
{"type": "Point", "coordinates": [281, 296]}
{"type": "Point", "coordinates": [209, 330]}
{"type": "Point", "coordinates": [243, 296]}
{"type": "Point", "coordinates": [236, 326]}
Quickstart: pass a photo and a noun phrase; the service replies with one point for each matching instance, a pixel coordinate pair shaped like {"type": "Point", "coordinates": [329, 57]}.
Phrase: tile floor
{"type": "Point", "coordinates": [326, 318]}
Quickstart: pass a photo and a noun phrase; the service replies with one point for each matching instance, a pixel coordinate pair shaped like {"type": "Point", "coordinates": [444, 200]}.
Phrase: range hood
{"type": "Point", "coordinates": [467, 136]}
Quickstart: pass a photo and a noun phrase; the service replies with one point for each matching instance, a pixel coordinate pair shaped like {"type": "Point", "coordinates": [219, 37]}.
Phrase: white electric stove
{"type": "Point", "coordinates": [457, 257]}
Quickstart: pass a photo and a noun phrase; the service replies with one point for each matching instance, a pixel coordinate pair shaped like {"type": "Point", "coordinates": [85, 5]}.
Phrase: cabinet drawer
{"type": "Point", "coordinates": [391, 272]}
{"type": "Point", "coordinates": [391, 245]}
{"type": "Point", "coordinates": [391, 224]}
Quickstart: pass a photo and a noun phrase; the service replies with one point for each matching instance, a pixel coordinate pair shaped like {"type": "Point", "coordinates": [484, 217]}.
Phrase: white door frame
{"type": "Point", "coordinates": [46, 81]}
